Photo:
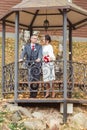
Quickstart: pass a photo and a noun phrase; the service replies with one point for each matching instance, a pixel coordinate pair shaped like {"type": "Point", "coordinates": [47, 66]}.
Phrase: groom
{"type": "Point", "coordinates": [32, 52]}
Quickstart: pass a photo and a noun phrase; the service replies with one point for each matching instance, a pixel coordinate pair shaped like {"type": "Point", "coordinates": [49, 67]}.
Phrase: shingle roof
{"type": "Point", "coordinates": [33, 13]}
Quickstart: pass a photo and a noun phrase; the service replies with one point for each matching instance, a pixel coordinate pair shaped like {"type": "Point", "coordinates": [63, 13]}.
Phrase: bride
{"type": "Point", "coordinates": [48, 65]}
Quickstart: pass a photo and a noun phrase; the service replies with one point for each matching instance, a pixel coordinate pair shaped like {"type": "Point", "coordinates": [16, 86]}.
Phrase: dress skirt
{"type": "Point", "coordinates": [48, 71]}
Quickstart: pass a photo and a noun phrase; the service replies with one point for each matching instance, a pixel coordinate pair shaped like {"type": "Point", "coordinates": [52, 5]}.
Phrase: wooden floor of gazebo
{"type": "Point", "coordinates": [47, 100]}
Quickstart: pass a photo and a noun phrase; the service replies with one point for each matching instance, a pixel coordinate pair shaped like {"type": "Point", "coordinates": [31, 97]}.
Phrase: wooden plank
{"type": "Point", "coordinates": [40, 82]}
{"type": "Point", "coordinates": [47, 100]}
{"type": "Point", "coordinates": [56, 81]}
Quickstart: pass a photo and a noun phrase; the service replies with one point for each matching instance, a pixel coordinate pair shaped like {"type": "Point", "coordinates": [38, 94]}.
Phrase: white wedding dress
{"type": "Point", "coordinates": [48, 67]}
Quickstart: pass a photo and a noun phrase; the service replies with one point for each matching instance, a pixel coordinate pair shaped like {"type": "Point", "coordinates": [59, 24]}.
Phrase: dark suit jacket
{"type": "Point", "coordinates": [32, 55]}
{"type": "Point", "coordinates": [33, 69]}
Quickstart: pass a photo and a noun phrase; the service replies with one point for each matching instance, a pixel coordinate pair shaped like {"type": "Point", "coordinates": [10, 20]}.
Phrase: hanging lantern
{"type": "Point", "coordinates": [46, 23]}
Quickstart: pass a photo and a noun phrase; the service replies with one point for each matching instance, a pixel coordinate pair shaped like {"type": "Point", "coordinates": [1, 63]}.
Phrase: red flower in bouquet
{"type": "Point", "coordinates": [46, 58]}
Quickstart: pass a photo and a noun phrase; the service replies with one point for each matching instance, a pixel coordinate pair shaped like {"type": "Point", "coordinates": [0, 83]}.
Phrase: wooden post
{"type": "Point", "coordinates": [3, 53]}
{"type": "Point", "coordinates": [16, 54]}
{"type": "Point", "coordinates": [65, 63]}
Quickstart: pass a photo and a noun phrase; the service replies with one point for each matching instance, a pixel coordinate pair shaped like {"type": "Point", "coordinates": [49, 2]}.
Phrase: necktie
{"type": "Point", "coordinates": [33, 47]}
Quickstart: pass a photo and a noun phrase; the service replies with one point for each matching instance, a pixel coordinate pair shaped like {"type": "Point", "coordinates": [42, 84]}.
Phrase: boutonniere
{"type": "Point", "coordinates": [35, 49]}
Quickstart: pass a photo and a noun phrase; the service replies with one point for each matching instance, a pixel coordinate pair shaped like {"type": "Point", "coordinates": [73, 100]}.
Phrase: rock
{"type": "Point", "coordinates": [54, 119]}
{"type": "Point", "coordinates": [40, 125]}
{"type": "Point", "coordinates": [38, 118]}
{"type": "Point", "coordinates": [53, 124]}
{"type": "Point", "coordinates": [16, 117]}
{"type": "Point", "coordinates": [80, 119]}
{"type": "Point", "coordinates": [12, 108]}
{"type": "Point", "coordinates": [35, 125]}
{"type": "Point", "coordinates": [25, 112]}
{"type": "Point", "coordinates": [29, 125]}
{"type": "Point", "coordinates": [38, 115]}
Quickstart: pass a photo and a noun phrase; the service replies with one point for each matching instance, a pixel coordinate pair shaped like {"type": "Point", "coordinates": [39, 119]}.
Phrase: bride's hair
{"type": "Point", "coordinates": [48, 38]}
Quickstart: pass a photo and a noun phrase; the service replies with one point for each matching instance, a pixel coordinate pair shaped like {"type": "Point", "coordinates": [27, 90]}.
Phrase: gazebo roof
{"type": "Point", "coordinates": [34, 12]}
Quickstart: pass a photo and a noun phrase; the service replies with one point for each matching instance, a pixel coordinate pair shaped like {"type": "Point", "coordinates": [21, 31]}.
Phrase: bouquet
{"type": "Point", "coordinates": [46, 58]}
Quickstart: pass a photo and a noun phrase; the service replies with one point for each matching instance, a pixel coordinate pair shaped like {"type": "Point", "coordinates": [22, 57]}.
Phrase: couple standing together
{"type": "Point", "coordinates": [37, 53]}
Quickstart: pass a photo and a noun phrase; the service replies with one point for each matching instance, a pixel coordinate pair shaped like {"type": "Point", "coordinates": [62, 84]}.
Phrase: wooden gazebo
{"type": "Point", "coordinates": [30, 15]}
